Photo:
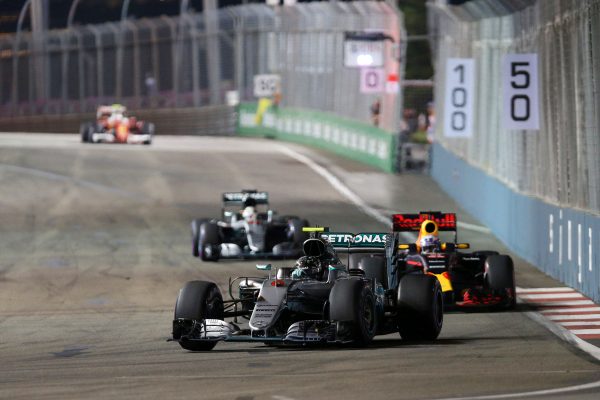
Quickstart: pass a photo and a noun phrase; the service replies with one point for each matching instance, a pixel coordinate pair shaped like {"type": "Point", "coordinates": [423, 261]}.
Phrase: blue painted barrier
{"type": "Point", "coordinates": [562, 242]}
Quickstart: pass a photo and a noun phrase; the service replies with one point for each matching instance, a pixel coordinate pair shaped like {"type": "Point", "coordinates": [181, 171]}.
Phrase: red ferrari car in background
{"type": "Point", "coordinates": [114, 126]}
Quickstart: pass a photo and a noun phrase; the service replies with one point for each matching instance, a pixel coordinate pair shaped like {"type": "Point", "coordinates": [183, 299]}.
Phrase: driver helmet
{"type": "Point", "coordinates": [311, 266]}
{"type": "Point", "coordinates": [249, 201]}
{"type": "Point", "coordinates": [429, 243]}
{"type": "Point", "coordinates": [249, 214]}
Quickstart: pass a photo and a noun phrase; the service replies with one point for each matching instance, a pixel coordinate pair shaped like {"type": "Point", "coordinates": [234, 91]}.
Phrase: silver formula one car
{"type": "Point", "coordinates": [318, 301]}
{"type": "Point", "coordinates": [248, 228]}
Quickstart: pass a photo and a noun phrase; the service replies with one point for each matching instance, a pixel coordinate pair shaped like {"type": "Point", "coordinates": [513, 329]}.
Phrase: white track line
{"type": "Point", "coordinates": [338, 185]}
{"type": "Point", "coordinates": [567, 336]}
{"type": "Point", "coordinates": [586, 331]}
{"type": "Point", "coordinates": [549, 290]}
{"type": "Point", "coordinates": [580, 323]}
{"type": "Point", "coordinates": [547, 392]}
{"type": "Point", "coordinates": [473, 227]}
{"type": "Point", "coordinates": [561, 303]}
{"type": "Point", "coordinates": [570, 310]}
{"type": "Point", "coordinates": [460, 224]}
{"type": "Point", "coordinates": [572, 317]}
{"type": "Point", "coordinates": [540, 296]}
{"type": "Point", "coordinates": [557, 329]}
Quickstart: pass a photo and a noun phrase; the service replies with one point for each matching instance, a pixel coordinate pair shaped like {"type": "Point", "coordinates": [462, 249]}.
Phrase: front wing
{"type": "Point", "coordinates": [302, 332]}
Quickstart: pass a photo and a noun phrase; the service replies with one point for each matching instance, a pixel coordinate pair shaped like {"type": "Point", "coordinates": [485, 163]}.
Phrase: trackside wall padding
{"type": "Point", "coordinates": [562, 242]}
{"type": "Point", "coordinates": [358, 141]}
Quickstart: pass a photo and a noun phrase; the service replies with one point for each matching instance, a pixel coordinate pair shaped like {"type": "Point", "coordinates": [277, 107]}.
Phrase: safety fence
{"type": "Point", "coordinates": [539, 189]}
{"type": "Point", "coordinates": [352, 139]}
{"type": "Point", "coordinates": [194, 60]}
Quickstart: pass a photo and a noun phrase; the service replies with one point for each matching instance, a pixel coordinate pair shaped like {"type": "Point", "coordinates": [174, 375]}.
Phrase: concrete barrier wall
{"type": "Point", "coordinates": [562, 242]}
{"type": "Point", "coordinates": [211, 120]}
{"type": "Point", "coordinates": [352, 139]}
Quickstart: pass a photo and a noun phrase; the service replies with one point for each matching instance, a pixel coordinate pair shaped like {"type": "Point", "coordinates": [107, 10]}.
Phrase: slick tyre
{"type": "Point", "coordinates": [420, 307]}
{"type": "Point", "coordinates": [209, 241]}
{"type": "Point", "coordinates": [148, 129]}
{"type": "Point", "coordinates": [500, 277]}
{"type": "Point", "coordinates": [84, 132]}
{"type": "Point", "coordinates": [352, 306]}
{"type": "Point", "coordinates": [374, 267]}
{"type": "Point", "coordinates": [295, 226]}
{"type": "Point", "coordinates": [195, 227]}
{"type": "Point", "coordinates": [198, 300]}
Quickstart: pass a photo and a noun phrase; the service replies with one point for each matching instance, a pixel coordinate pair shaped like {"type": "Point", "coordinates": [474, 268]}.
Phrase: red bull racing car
{"type": "Point", "coordinates": [114, 126]}
{"type": "Point", "coordinates": [468, 279]}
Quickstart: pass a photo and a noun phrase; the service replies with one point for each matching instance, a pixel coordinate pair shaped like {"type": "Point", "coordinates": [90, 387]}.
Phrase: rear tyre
{"type": "Point", "coordinates": [198, 300]}
{"type": "Point", "coordinates": [374, 267]}
{"type": "Point", "coordinates": [83, 132]}
{"type": "Point", "coordinates": [500, 277]}
{"type": "Point", "coordinates": [420, 307]}
{"type": "Point", "coordinates": [209, 241]}
{"type": "Point", "coordinates": [295, 226]}
{"type": "Point", "coordinates": [148, 129]}
{"type": "Point", "coordinates": [195, 225]}
{"type": "Point", "coordinates": [352, 306]}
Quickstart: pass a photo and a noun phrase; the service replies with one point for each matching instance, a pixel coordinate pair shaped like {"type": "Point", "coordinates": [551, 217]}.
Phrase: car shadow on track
{"type": "Point", "coordinates": [380, 343]}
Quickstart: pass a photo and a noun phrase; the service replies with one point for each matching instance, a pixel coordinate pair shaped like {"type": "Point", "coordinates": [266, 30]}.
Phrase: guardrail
{"type": "Point", "coordinates": [355, 140]}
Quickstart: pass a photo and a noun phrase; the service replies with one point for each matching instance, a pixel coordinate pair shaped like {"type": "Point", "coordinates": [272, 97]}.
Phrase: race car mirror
{"type": "Point", "coordinates": [315, 229]}
{"type": "Point", "coordinates": [408, 246]}
{"type": "Point", "coordinates": [263, 267]}
{"type": "Point", "coordinates": [448, 247]}
{"type": "Point", "coordinates": [463, 246]}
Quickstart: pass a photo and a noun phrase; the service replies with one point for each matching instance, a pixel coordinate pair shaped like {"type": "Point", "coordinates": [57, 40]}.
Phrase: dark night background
{"type": "Point", "coordinates": [98, 11]}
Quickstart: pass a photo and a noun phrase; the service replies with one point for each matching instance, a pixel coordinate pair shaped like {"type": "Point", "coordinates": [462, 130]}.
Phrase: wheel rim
{"type": "Point", "coordinates": [368, 315]}
{"type": "Point", "coordinates": [214, 306]}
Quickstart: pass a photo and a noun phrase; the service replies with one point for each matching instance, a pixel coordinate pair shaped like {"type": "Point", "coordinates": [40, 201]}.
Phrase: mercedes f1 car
{"type": "Point", "coordinates": [248, 228]}
{"type": "Point", "coordinates": [319, 301]}
{"type": "Point", "coordinates": [114, 126]}
{"type": "Point", "coordinates": [468, 279]}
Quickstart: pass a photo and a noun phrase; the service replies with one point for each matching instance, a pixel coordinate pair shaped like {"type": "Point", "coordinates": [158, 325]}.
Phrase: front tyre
{"type": "Point", "coordinates": [197, 300]}
{"type": "Point", "coordinates": [209, 241]}
{"type": "Point", "coordinates": [352, 306]}
{"type": "Point", "coordinates": [500, 277]}
{"type": "Point", "coordinates": [420, 307]}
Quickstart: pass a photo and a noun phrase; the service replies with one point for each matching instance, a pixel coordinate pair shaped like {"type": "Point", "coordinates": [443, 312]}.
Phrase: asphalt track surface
{"type": "Point", "coordinates": [94, 246]}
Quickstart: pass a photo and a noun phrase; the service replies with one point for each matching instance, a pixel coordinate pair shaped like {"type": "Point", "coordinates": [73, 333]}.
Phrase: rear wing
{"type": "Point", "coordinates": [238, 198]}
{"type": "Point", "coordinates": [412, 222]}
{"type": "Point", "coordinates": [364, 240]}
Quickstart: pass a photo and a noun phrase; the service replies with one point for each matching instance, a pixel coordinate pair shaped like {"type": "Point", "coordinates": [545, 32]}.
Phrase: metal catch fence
{"type": "Point", "coordinates": [193, 60]}
{"type": "Point", "coordinates": [560, 162]}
